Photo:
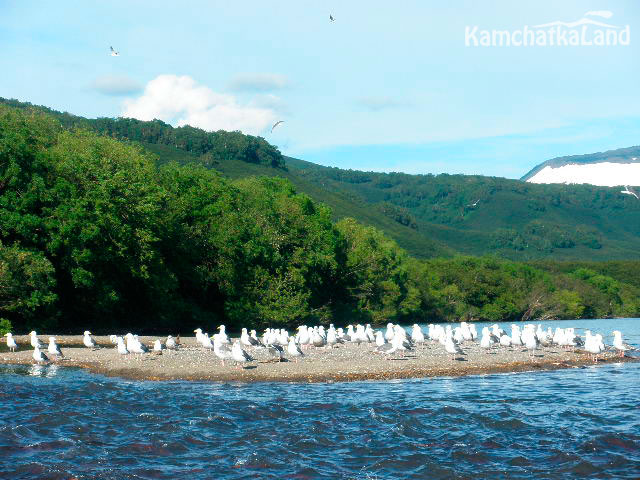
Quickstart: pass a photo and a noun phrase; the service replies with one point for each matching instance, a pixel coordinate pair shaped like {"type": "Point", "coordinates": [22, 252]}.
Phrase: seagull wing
{"type": "Point", "coordinates": [276, 124]}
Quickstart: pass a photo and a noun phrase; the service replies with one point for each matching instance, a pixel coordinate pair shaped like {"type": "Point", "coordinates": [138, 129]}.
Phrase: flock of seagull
{"type": "Point", "coordinates": [394, 338]}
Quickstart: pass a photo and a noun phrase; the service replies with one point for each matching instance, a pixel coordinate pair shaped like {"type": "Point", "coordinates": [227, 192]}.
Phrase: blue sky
{"type": "Point", "coordinates": [386, 87]}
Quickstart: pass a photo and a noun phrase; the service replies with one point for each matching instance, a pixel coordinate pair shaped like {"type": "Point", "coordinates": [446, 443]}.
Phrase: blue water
{"type": "Point", "coordinates": [575, 423]}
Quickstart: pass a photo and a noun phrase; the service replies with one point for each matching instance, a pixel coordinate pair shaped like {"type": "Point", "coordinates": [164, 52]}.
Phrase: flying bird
{"type": "Point", "coordinates": [276, 124]}
{"type": "Point", "coordinates": [331, 18]}
{"type": "Point", "coordinates": [474, 203]}
{"type": "Point", "coordinates": [630, 192]}
{"type": "Point", "coordinates": [114, 53]}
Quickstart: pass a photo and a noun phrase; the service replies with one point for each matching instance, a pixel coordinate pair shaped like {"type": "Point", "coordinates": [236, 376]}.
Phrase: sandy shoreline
{"type": "Point", "coordinates": [344, 363]}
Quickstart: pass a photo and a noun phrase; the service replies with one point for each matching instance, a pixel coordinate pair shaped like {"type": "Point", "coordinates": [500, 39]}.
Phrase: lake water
{"type": "Point", "coordinates": [63, 423]}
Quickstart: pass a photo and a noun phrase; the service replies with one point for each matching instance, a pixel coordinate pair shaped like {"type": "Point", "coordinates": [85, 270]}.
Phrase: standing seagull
{"type": "Point", "coordinates": [87, 340]}
{"type": "Point", "coordinates": [114, 53]}
{"type": "Point", "coordinates": [294, 349]}
{"type": "Point", "coordinates": [39, 356]}
{"type": "Point", "coordinates": [276, 124]}
{"type": "Point", "coordinates": [617, 342]}
{"type": "Point", "coordinates": [239, 355]}
{"type": "Point", "coordinates": [53, 348]}
{"type": "Point", "coordinates": [35, 342]}
{"type": "Point", "coordinates": [122, 348]}
{"type": "Point", "coordinates": [11, 343]}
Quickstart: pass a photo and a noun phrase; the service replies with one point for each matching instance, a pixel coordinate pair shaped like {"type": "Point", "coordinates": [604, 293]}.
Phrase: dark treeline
{"type": "Point", "coordinates": [94, 234]}
{"type": "Point", "coordinates": [220, 145]}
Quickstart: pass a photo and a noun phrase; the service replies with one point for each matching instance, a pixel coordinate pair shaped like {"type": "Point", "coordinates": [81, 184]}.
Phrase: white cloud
{"type": "Point", "coordinates": [180, 100]}
{"type": "Point", "coordinates": [600, 13]}
{"type": "Point", "coordinates": [258, 82]}
{"type": "Point", "coordinates": [116, 85]}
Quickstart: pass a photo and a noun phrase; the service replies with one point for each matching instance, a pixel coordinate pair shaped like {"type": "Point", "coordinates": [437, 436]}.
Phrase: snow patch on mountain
{"type": "Point", "coordinates": [604, 174]}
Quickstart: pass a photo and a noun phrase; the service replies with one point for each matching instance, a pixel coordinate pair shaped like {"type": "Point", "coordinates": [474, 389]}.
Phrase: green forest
{"type": "Point", "coordinates": [101, 228]}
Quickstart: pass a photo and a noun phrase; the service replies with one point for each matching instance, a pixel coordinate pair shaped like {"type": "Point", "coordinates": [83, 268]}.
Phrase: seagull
{"type": "Point", "coordinates": [629, 192]}
{"type": "Point", "coordinates": [474, 203]}
{"type": "Point", "coordinates": [87, 340]}
{"type": "Point", "coordinates": [248, 340]}
{"type": "Point", "coordinates": [276, 124]}
{"type": "Point", "coordinates": [221, 350]}
{"type": "Point", "coordinates": [122, 348]}
{"type": "Point", "coordinates": [35, 342]}
{"type": "Point", "coordinates": [222, 336]}
{"type": "Point", "coordinates": [452, 348]}
{"type": "Point", "coordinates": [239, 355]}
{"type": "Point", "coordinates": [157, 346]}
{"type": "Point", "coordinates": [199, 335]}
{"type": "Point", "coordinates": [206, 342]}
{"type": "Point", "coordinates": [114, 53]}
{"type": "Point", "coordinates": [53, 348]}
{"type": "Point", "coordinates": [11, 343]}
{"type": "Point", "coordinates": [170, 343]}
{"type": "Point", "coordinates": [294, 349]}
{"type": "Point", "coordinates": [39, 356]}
{"type": "Point", "coordinates": [276, 351]}
{"type": "Point", "coordinates": [416, 334]}
{"type": "Point", "coordinates": [331, 19]}
{"type": "Point", "coordinates": [618, 344]}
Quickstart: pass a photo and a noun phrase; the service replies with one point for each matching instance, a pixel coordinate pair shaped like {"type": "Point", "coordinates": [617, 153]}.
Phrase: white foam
{"type": "Point", "coordinates": [604, 174]}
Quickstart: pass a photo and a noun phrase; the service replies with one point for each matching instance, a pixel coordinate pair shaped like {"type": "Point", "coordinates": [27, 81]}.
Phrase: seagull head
{"type": "Point", "coordinates": [87, 332]}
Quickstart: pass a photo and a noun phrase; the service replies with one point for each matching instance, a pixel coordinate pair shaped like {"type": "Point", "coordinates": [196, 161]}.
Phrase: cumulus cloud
{"type": "Point", "coordinates": [258, 82]}
{"type": "Point", "coordinates": [180, 100]}
{"type": "Point", "coordinates": [116, 85]}
{"type": "Point", "coordinates": [376, 104]}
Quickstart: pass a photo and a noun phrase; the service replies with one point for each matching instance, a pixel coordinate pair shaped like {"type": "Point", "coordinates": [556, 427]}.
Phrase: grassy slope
{"type": "Point", "coordinates": [455, 227]}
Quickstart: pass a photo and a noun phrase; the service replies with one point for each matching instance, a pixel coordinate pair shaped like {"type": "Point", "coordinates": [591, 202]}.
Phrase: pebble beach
{"type": "Point", "coordinates": [346, 362]}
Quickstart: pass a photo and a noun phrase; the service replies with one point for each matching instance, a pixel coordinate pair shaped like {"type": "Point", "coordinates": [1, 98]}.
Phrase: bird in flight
{"type": "Point", "coordinates": [114, 53]}
{"type": "Point", "coordinates": [629, 191]}
{"type": "Point", "coordinates": [331, 18]}
{"type": "Point", "coordinates": [474, 203]}
{"type": "Point", "coordinates": [276, 124]}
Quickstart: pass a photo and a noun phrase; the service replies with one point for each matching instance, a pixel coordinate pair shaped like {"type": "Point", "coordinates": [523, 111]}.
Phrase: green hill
{"type": "Point", "coordinates": [428, 215]}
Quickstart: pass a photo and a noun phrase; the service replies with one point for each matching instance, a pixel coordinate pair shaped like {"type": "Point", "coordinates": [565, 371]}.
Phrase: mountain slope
{"type": "Point", "coordinates": [427, 215]}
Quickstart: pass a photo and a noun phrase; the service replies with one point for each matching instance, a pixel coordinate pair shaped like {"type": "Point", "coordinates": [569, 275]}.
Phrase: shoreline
{"type": "Point", "coordinates": [345, 363]}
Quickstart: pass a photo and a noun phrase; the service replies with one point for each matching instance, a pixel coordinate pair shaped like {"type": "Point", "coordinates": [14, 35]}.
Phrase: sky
{"type": "Point", "coordinates": [384, 87]}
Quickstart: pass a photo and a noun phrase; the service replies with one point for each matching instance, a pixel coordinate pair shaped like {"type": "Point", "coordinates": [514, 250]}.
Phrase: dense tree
{"type": "Point", "coordinates": [96, 233]}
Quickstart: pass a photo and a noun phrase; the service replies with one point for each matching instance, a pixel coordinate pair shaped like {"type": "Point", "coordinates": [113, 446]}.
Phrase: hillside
{"type": "Point", "coordinates": [101, 233]}
{"type": "Point", "coordinates": [429, 215]}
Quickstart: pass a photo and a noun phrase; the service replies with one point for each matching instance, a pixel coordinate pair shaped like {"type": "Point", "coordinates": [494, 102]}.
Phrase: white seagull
{"type": "Point", "coordinates": [122, 348]}
{"type": "Point", "coordinates": [11, 343]}
{"type": "Point", "coordinates": [35, 342]}
{"type": "Point", "coordinates": [87, 340]}
{"type": "Point", "coordinates": [53, 348]}
{"type": "Point", "coordinates": [294, 349]}
{"type": "Point", "coordinates": [630, 192]}
{"type": "Point", "coordinates": [170, 343]}
{"type": "Point", "coordinates": [239, 355]}
{"type": "Point", "coordinates": [221, 350]}
{"type": "Point", "coordinates": [618, 343]}
{"type": "Point", "coordinates": [114, 53]}
{"type": "Point", "coordinates": [39, 356]}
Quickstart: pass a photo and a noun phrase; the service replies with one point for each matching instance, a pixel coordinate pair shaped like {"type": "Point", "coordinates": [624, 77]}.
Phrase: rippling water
{"type": "Point", "coordinates": [576, 423]}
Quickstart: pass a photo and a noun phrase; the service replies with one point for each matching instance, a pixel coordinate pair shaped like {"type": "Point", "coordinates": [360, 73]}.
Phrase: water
{"type": "Point", "coordinates": [576, 423]}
